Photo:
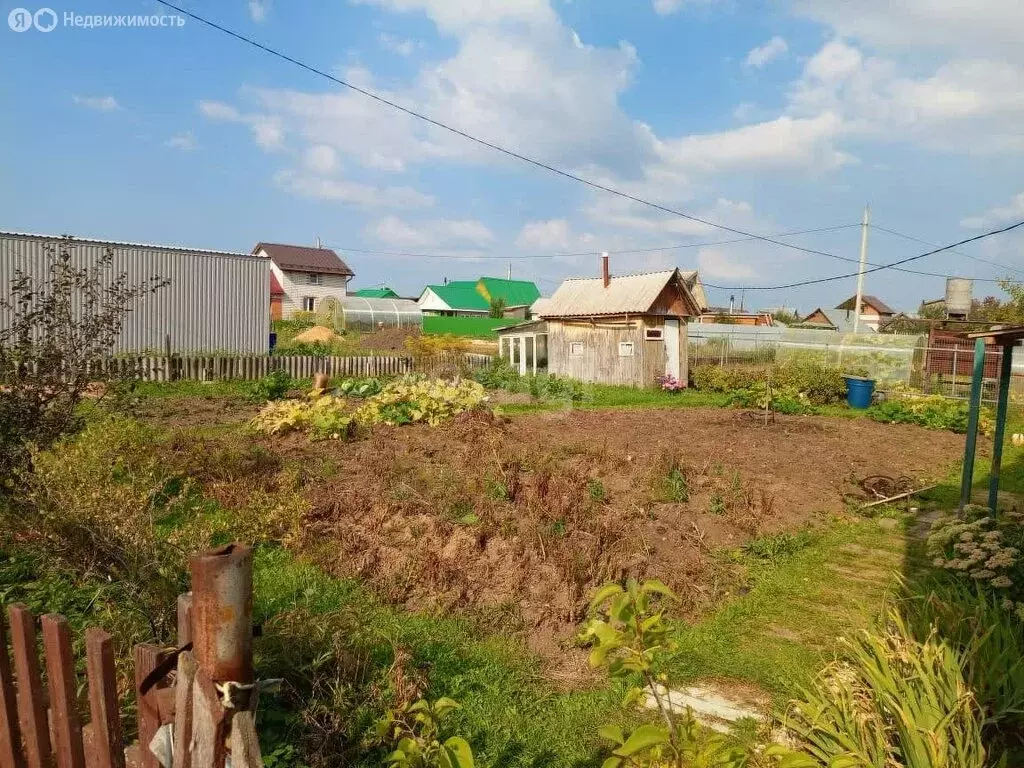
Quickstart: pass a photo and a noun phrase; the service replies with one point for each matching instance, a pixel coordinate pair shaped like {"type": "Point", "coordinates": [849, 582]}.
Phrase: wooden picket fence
{"type": "Point", "coordinates": [251, 368]}
{"type": "Point", "coordinates": [43, 728]}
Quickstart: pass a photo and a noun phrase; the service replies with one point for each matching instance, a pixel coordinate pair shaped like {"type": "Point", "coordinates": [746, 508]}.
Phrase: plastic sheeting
{"type": "Point", "coordinates": [362, 314]}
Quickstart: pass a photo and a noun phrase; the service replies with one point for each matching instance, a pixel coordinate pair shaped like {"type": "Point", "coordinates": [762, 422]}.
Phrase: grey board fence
{"type": "Point", "coordinates": [249, 368]}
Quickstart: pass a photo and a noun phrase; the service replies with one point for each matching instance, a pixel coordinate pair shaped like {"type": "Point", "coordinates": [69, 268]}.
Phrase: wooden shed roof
{"type": "Point", "coordinates": [624, 294]}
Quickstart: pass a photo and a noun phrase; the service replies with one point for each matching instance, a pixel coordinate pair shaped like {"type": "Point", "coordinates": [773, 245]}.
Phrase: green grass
{"type": "Point", "coordinates": [510, 713]}
{"type": "Point", "coordinates": [783, 630]}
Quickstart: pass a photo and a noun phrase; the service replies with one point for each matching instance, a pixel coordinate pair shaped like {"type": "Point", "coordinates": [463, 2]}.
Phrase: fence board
{"type": "Point", "coordinates": [147, 657]}
{"type": "Point", "coordinates": [183, 694]}
{"type": "Point", "coordinates": [106, 745]}
{"type": "Point", "coordinates": [60, 672]}
{"type": "Point", "coordinates": [31, 701]}
{"type": "Point", "coordinates": [10, 735]}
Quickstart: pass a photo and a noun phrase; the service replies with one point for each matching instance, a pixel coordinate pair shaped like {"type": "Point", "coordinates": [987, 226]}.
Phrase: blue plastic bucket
{"type": "Point", "coordinates": [859, 391]}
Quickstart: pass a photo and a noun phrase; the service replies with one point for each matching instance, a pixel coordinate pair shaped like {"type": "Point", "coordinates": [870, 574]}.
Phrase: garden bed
{"type": "Point", "coordinates": [513, 521]}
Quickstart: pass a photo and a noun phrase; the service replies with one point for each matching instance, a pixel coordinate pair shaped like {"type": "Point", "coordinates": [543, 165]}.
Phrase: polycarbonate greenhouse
{"type": "Point", "coordinates": [362, 314]}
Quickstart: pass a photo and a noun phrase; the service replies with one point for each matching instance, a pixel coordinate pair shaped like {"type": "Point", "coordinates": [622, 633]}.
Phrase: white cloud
{"type": "Point", "coordinates": [433, 233]}
{"type": "Point", "coordinates": [399, 45]}
{"type": "Point", "coordinates": [184, 141]}
{"type": "Point", "coordinates": [321, 159]}
{"type": "Point", "coordinates": [258, 10]}
{"type": "Point", "coordinates": [762, 55]}
{"type": "Point", "coordinates": [99, 103]}
{"type": "Point", "coordinates": [718, 265]}
{"type": "Point", "coordinates": [550, 235]}
{"type": "Point", "coordinates": [453, 17]}
{"type": "Point", "coordinates": [668, 7]}
{"type": "Point", "coordinates": [1000, 214]}
{"type": "Point", "coordinates": [785, 142]}
{"type": "Point", "coordinates": [351, 192]}
{"type": "Point", "coordinates": [218, 110]}
{"type": "Point", "coordinates": [267, 130]}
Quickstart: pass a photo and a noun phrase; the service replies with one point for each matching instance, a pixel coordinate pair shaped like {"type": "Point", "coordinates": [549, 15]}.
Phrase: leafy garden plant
{"type": "Point", "coordinates": [414, 734]}
{"type": "Point", "coordinates": [906, 406]}
{"type": "Point", "coordinates": [629, 635]}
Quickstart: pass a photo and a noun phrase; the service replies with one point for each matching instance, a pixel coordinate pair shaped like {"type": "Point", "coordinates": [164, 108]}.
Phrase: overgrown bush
{"type": "Point", "coordinates": [780, 399]}
{"type": "Point", "coordinates": [905, 406]}
{"type": "Point", "coordinates": [99, 499]}
{"type": "Point", "coordinates": [501, 375]}
{"type": "Point", "coordinates": [58, 330]}
{"type": "Point", "coordinates": [817, 383]}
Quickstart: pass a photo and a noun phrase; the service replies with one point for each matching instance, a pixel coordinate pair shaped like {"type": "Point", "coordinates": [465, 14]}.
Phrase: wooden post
{"type": "Point", "coordinates": [183, 708]}
{"type": "Point", "coordinates": [1005, 372]}
{"type": "Point", "coordinates": [10, 735]}
{"type": "Point", "coordinates": [967, 479]}
{"type": "Point", "coordinates": [60, 670]}
{"type": "Point", "coordinates": [106, 747]}
{"type": "Point", "coordinates": [147, 657]}
{"type": "Point", "coordinates": [31, 703]}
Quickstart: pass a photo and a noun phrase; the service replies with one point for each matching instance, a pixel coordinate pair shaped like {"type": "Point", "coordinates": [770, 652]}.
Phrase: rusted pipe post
{"type": "Point", "coordinates": [222, 613]}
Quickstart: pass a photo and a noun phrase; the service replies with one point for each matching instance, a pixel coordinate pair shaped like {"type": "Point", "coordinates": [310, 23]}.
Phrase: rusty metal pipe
{"type": "Point", "coordinates": [222, 613]}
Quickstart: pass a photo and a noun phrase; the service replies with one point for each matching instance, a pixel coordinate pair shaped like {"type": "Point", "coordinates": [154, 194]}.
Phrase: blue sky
{"type": "Point", "coordinates": [768, 116]}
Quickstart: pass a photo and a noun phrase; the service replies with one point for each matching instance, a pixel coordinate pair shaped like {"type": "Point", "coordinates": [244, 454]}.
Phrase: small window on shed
{"type": "Point", "coordinates": [575, 348]}
{"type": "Point", "coordinates": [625, 349]}
{"type": "Point", "coordinates": [654, 334]}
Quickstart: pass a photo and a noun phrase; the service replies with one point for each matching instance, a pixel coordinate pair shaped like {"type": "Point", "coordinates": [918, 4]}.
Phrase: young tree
{"type": "Point", "coordinates": [497, 308]}
{"type": "Point", "coordinates": [57, 331]}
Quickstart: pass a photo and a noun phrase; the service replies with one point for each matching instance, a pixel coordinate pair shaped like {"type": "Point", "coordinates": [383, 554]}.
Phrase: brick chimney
{"type": "Point", "coordinates": [605, 277]}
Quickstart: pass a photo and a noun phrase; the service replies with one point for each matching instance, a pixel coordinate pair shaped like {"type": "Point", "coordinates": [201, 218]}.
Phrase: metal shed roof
{"type": "Point", "coordinates": [123, 243]}
{"type": "Point", "coordinates": [632, 294]}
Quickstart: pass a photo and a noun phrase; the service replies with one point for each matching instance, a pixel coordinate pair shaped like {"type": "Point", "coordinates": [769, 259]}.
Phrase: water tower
{"type": "Point", "coordinates": [959, 292]}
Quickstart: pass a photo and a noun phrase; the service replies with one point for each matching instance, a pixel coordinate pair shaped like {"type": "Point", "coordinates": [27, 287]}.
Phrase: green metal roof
{"type": "Point", "coordinates": [461, 294]}
{"type": "Point", "coordinates": [516, 293]}
{"type": "Point", "coordinates": [376, 293]}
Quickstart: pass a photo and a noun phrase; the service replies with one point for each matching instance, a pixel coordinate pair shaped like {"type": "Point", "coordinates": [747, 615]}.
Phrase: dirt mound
{"type": "Point", "coordinates": [515, 522]}
{"type": "Point", "coordinates": [315, 334]}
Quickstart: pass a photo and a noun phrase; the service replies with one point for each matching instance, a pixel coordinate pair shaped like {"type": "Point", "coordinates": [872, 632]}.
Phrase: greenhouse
{"type": "Point", "coordinates": [363, 314]}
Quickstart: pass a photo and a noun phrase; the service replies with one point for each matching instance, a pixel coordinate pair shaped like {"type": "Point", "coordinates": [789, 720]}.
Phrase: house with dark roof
{"type": "Point", "coordinates": [473, 298]}
{"type": "Point", "coordinates": [305, 275]}
{"type": "Point", "coordinates": [613, 329]}
{"type": "Point", "coordinates": [873, 311]}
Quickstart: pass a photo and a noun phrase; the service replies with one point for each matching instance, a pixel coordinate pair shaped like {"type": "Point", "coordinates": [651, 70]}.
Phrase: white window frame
{"type": "Point", "coordinates": [626, 348]}
{"type": "Point", "coordinates": [309, 303]}
{"type": "Point", "coordinates": [575, 349]}
{"type": "Point", "coordinates": [654, 334]}
{"type": "Point", "coordinates": [314, 278]}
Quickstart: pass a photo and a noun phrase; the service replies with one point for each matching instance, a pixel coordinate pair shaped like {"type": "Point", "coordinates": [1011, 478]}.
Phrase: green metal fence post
{"type": "Point", "coordinates": [972, 422]}
{"type": "Point", "coordinates": [1005, 371]}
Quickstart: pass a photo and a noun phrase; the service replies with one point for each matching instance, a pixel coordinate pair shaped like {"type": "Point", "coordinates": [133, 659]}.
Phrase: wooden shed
{"type": "Point", "coordinates": [622, 329]}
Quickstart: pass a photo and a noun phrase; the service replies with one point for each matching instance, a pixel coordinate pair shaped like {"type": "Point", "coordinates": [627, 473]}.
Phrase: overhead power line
{"type": "Point", "coordinates": [484, 142]}
{"type": "Point", "coordinates": [538, 163]}
{"type": "Point", "coordinates": [675, 246]}
{"type": "Point", "coordinates": [913, 239]}
{"type": "Point", "coordinates": [799, 283]}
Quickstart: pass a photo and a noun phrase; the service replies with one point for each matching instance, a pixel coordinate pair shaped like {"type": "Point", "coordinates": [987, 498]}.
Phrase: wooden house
{"type": "Point", "coordinates": [622, 329]}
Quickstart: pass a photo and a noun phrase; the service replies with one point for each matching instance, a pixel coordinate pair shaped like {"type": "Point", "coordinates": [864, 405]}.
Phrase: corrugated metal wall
{"type": "Point", "coordinates": [216, 302]}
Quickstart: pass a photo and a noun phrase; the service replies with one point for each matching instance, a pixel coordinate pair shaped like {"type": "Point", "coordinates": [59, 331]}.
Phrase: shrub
{"type": "Point", "coordinates": [819, 384]}
{"type": "Point", "coordinates": [274, 386]}
{"type": "Point", "coordinates": [890, 700]}
{"type": "Point", "coordinates": [669, 383]}
{"type": "Point", "coordinates": [781, 399]}
{"type": "Point", "coordinates": [905, 406]}
{"type": "Point", "coordinates": [59, 328]}
{"type": "Point", "coordinates": [99, 499]}
{"type": "Point", "coordinates": [413, 731]}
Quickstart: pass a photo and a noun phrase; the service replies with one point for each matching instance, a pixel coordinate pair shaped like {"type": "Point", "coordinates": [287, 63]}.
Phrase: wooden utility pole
{"type": "Point", "coordinates": [863, 262]}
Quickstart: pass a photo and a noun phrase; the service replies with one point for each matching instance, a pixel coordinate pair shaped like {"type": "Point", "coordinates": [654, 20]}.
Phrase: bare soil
{"type": "Point", "coordinates": [514, 522]}
{"type": "Point", "coordinates": [387, 339]}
